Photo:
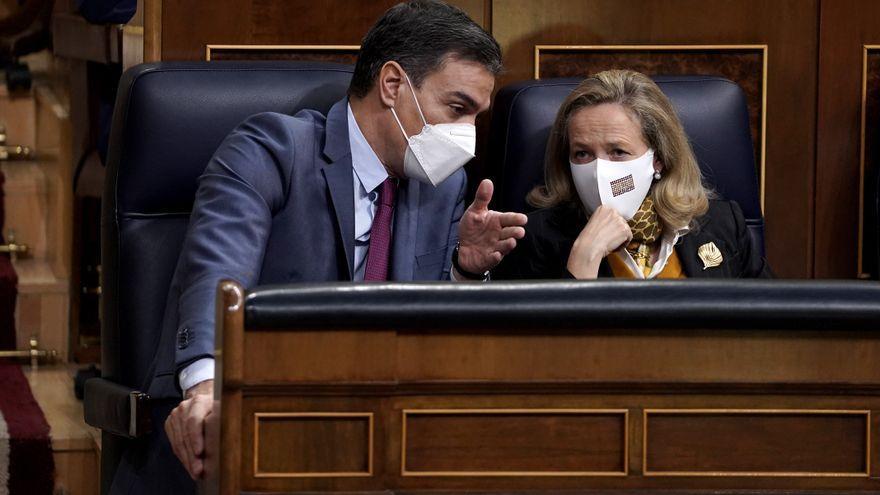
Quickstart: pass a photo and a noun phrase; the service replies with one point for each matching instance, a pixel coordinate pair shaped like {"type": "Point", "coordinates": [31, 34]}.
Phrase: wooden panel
{"type": "Point", "coordinates": [756, 443]}
{"type": "Point", "coordinates": [343, 54]}
{"type": "Point", "coordinates": [363, 355]}
{"type": "Point", "coordinates": [274, 22]}
{"type": "Point", "coordinates": [691, 357]}
{"type": "Point", "coordinates": [73, 442]}
{"type": "Point", "coordinates": [787, 27]}
{"type": "Point", "coordinates": [869, 224]}
{"type": "Point", "coordinates": [743, 64]}
{"type": "Point", "coordinates": [76, 472]}
{"type": "Point", "coordinates": [38, 203]}
{"type": "Point", "coordinates": [495, 442]}
{"type": "Point", "coordinates": [313, 444]}
{"type": "Point", "coordinates": [846, 26]}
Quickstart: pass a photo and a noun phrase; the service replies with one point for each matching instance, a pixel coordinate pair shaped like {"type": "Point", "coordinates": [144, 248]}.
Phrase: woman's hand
{"type": "Point", "coordinates": [604, 233]}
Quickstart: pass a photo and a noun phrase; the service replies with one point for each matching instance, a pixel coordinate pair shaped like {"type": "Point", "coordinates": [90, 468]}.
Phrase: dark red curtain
{"type": "Point", "coordinates": [8, 288]}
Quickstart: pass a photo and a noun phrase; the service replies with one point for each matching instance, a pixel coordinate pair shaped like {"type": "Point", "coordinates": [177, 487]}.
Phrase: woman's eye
{"type": "Point", "coordinates": [619, 153]}
{"type": "Point", "coordinates": [581, 155]}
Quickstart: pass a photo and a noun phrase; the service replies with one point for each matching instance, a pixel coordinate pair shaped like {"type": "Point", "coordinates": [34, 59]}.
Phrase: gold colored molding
{"type": "Point", "coordinates": [575, 412]}
{"type": "Point", "coordinates": [331, 474]}
{"type": "Point", "coordinates": [768, 474]}
{"type": "Point", "coordinates": [866, 50]}
{"type": "Point", "coordinates": [763, 48]}
{"type": "Point", "coordinates": [280, 48]}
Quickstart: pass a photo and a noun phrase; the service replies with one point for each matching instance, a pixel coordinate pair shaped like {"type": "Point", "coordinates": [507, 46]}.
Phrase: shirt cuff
{"type": "Point", "coordinates": [196, 373]}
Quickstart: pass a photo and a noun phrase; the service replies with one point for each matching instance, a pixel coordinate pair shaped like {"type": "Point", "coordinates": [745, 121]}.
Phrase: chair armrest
{"type": "Point", "coordinates": [116, 409]}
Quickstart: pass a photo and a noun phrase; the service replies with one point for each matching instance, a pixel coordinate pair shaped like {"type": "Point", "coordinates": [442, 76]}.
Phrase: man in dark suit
{"type": "Point", "coordinates": [373, 191]}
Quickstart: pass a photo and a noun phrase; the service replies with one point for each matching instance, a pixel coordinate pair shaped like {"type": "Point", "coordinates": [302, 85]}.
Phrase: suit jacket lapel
{"type": "Point", "coordinates": [406, 220]}
{"type": "Point", "coordinates": [339, 178]}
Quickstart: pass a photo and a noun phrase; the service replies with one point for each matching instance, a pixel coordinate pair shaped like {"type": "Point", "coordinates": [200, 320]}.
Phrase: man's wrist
{"type": "Point", "coordinates": [201, 388]}
{"type": "Point", "coordinates": [459, 270]}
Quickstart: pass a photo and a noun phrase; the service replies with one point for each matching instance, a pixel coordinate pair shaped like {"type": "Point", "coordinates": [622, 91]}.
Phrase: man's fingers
{"type": "Point", "coordinates": [506, 246]}
{"type": "Point", "coordinates": [198, 468]}
{"type": "Point", "coordinates": [171, 434]}
{"type": "Point", "coordinates": [188, 451]}
{"type": "Point", "coordinates": [178, 445]}
{"type": "Point", "coordinates": [484, 195]}
{"type": "Point", "coordinates": [512, 219]}
{"type": "Point", "coordinates": [512, 232]}
{"type": "Point", "coordinates": [195, 430]}
{"type": "Point", "coordinates": [496, 257]}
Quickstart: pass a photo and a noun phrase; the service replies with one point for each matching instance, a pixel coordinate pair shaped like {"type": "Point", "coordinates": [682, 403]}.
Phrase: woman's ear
{"type": "Point", "coordinates": [389, 83]}
{"type": "Point", "coordinates": [658, 165]}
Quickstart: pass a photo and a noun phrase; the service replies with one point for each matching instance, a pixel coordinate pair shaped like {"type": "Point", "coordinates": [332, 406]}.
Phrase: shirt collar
{"type": "Point", "coordinates": [367, 167]}
{"type": "Point", "coordinates": [667, 247]}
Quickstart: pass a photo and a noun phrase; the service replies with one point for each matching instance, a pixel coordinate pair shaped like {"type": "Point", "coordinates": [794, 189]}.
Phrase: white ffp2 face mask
{"type": "Point", "coordinates": [438, 150]}
{"type": "Point", "coordinates": [620, 185]}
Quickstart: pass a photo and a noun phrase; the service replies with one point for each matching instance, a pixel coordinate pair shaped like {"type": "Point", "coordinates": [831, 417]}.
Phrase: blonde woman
{"type": "Point", "coordinates": [624, 197]}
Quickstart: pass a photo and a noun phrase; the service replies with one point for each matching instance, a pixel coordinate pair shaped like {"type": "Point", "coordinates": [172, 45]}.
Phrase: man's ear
{"type": "Point", "coordinates": [390, 83]}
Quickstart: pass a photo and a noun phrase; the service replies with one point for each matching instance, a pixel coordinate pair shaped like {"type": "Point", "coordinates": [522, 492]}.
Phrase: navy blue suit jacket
{"type": "Point", "coordinates": [276, 205]}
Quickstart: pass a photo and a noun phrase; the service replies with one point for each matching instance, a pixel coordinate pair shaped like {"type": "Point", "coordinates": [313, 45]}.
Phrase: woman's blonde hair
{"type": "Point", "coordinates": [679, 197]}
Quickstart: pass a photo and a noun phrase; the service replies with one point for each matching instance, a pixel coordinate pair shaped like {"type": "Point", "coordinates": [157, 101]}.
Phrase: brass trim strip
{"type": "Point", "coordinates": [860, 271]}
{"type": "Point", "coordinates": [413, 412]}
{"type": "Point", "coordinates": [763, 48]}
{"type": "Point", "coordinates": [317, 474]}
{"type": "Point", "coordinates": [769, 474]}
{"type": "Point", "coordinates": [280, 48]}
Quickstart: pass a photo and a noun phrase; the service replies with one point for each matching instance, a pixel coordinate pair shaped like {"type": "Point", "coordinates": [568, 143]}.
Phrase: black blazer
{"type": "Point", "coordinates": [551, 232]}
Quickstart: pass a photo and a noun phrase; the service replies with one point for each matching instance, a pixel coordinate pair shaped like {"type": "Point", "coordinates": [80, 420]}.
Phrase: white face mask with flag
{"type": "Point", "coordinates": [620, 185]}
{"type": "Point", "coordinates": [438, 150]}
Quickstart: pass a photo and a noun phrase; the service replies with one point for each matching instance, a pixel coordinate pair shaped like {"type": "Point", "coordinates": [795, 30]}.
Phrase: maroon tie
{"type": "Point", "coordinates": [380, 233]}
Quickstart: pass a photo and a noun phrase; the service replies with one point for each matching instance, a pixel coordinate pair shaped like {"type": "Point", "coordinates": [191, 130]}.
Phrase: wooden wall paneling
{"type": "Point", "coordinates": [152, 30]}
{"type": "Point", "coordinates": [272, 22]}
{"type": "Point", "coordinates": [319, 444]}
{"type": "Point", "coordinates": [845, 28]}
{"type": "Point", "coordinates": [343, 54]}
{"type": "Point", "coordinates": [491, 442]}
{"type": "Point", "coordinates": [869, 164]}
{"type": "Point", "coordinates": [761, 442]}
{"type": "Point", "coordinates": [452, 382]}
{"type": "Point", "coordinates": [38, 203]}
{"type": "Point", "coordinates": [787, 27]}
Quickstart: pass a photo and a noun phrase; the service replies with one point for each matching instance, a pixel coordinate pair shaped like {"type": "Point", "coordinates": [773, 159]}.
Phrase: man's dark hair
{"type": "Point", "coordinates": [421, 35]}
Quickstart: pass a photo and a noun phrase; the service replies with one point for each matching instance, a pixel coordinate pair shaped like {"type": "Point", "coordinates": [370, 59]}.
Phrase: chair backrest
{"type": "Point", "coordinates": [713, 111]}
{"type": "Point", "coordinates": [168, 121]}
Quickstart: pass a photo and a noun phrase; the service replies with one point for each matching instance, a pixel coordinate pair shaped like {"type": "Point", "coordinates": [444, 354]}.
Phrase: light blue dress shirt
{"type": "Point", "coordinates": [368, 173]}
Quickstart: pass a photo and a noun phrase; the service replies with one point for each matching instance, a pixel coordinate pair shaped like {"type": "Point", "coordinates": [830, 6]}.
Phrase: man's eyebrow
{"type": "Point", "coordinates": [466, 98]}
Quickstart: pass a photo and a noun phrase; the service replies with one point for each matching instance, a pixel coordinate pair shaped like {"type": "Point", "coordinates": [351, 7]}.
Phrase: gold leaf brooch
{"type": "Point", "coordinates": [710, 255]}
